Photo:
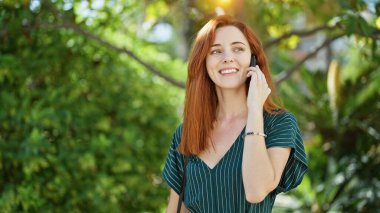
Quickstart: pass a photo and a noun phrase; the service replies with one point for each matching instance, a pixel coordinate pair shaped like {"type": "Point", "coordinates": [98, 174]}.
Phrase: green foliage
{"type": "Point", "coordinates": [344, 156]}
{"type": "Point", "coordinates": [85, 127]}
{"type": "Point", "coordinates": [81, 130]}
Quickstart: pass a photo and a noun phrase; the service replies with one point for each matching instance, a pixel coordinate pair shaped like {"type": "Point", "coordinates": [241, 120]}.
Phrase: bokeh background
{"type": "Point", "coordinates": [92, 91]}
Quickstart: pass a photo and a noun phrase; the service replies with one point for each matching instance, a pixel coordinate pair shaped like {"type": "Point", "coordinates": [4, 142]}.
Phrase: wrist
{"type": "Point", "coordinates": [255, 122]}
{"type": "Point", "coordinates": [253, 133]}
{"type": "Point", "coordinates": [255, 114]}
{"type": "Point", "coordinates": [255, 110]}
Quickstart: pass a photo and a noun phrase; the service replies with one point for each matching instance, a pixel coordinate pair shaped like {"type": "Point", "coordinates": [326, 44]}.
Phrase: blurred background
{"type": "Point", "coordinates": [92, 91]}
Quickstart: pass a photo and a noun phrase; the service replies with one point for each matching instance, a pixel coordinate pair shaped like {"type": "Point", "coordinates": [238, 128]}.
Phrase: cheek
{"type": "Point", "coordinates": [211, 67]}
{"type": "Point", "coordinates": [246, 61]}
{"type": "Point", "coordinates": [211, 63]}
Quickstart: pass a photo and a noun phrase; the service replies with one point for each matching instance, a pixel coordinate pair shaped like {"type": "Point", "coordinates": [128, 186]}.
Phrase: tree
{"type": "Point", "coordinates": [90, 91]}
{"type": "Point", "coordinates": [80, 128]}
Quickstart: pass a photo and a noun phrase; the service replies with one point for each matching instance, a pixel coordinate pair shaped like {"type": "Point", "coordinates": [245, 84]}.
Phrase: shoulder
{"type": "Point", "coordinates": [279, 118]}
{"type": "Point", "coordinates": [177, 136]}
{"type": "Point", "coordinates": [178, 130]}
{"type": "Point", "coordinates": [282, 130]}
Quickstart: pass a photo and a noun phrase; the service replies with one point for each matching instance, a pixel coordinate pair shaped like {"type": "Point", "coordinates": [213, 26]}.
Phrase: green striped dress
{"type": "Point", "coordinates": [221, 189]}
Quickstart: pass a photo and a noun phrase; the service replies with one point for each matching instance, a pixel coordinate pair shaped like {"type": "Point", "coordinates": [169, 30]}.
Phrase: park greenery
{"type": "Point", "coordinates": [92, 91]}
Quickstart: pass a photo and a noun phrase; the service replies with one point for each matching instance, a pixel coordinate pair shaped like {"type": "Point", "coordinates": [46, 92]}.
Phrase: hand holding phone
{"type": "Point", "coordinates": [258, 90]}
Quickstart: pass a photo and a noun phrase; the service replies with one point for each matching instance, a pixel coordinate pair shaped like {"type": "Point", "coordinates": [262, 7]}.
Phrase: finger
{"type": "Point", "coordinates": [263, 77]}
{"type": "Point", "coordinates": [258, 68]}
{"type": "Point", "coordinates": [250, 73]}
{"type": "Point", "coordinates": [259, 76]}
{"type": "Point", "coordinates": [258, 72]}
{"type": "Point", "coordinates": [255, 75]}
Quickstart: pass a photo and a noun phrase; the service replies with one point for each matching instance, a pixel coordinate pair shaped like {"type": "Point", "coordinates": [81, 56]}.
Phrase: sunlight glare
{"type": "Point", "coordinates": [224, 3]}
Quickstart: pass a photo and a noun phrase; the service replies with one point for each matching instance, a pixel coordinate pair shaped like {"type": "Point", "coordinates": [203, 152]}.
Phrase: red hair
{"type": "Point", "coordinates": [201, 100]}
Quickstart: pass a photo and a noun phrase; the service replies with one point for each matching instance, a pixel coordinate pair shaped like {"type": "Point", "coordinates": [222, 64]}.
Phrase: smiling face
{"type": "Point", "coordinates": [228, 58]}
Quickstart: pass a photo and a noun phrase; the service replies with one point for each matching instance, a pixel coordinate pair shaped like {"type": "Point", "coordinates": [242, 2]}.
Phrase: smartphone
{"type": "Point", "coordinates": [253, 61]}
{"type": "Point", "coordinates": [252, 64]}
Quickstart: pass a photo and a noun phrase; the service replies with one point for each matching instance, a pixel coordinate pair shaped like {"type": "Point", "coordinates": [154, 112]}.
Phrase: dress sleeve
{"type": "Point", "coordinates": [173, 169]}
{"type": "Point", "coordinates": [284, 132]}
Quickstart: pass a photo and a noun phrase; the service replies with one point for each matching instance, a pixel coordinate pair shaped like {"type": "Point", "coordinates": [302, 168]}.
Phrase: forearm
{"type": "Point", "coordinates": [173, 203]}
{"type": "Point", "coordinates": [257, 169]}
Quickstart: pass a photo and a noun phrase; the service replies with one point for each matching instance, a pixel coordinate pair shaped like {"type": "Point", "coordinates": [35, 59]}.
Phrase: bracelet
{"type": "Point", "coordinates": [255, 133]}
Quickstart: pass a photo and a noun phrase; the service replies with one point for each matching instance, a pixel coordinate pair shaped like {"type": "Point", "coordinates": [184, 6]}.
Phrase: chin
{"type": "Point", "coordinates": [231, 85]}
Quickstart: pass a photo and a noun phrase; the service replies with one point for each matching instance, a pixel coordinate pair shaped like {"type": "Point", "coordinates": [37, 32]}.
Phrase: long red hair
{"type": "Point", "coordinates": [201, 100]}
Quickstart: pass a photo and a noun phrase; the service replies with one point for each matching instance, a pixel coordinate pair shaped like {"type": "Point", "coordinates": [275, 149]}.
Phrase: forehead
{"type": "Point", "coordinates": [229, 34]}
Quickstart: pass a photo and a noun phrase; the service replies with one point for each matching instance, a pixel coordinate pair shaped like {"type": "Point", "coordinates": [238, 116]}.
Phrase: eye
{"type": "Point", "coordinates": [215, 51]}
{"type": "Point", "coordinates": [238, 49]}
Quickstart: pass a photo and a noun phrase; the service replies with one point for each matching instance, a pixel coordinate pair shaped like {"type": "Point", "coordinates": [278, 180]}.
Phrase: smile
{"type": "Point", "coordinates": [228, 71]}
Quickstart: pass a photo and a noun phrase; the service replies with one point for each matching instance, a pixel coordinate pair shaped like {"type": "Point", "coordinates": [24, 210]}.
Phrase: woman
{"type": "Point", "coordinates": [242, 148]}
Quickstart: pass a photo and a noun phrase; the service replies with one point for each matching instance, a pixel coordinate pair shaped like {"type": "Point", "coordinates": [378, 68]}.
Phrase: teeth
{"type": "Point", "coordinates": [228, 71]}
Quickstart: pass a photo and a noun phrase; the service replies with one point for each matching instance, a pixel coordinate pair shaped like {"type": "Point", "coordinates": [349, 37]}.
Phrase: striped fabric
{"type": "Point", "coordinates": [221, 189]}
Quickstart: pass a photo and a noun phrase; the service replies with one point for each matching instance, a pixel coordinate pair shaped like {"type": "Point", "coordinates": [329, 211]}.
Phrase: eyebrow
{"type": "Point", "coordinates": [235, 42]}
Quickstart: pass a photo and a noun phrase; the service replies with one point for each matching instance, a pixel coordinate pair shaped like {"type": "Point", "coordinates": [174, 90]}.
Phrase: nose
{"type": "Point", "coordinates": [228, 58]}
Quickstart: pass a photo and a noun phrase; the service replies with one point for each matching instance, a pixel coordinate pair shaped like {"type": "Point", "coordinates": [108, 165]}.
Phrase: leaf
{"type": "Point", "coordinates": [377, 8]}
{"type": "Point", "coordinates": [365, 27]}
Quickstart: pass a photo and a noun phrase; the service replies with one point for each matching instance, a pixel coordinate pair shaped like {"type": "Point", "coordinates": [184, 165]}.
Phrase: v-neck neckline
{"type": "Point", "coordinates": [225, 154]}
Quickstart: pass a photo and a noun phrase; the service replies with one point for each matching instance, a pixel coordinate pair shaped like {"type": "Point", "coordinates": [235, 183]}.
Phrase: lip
{"type": "Point", "coordinates": [228, 68]}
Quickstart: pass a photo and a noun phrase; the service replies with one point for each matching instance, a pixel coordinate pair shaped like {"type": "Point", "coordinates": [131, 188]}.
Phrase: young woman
{"type": "Point", "coordinates": [242, 148]}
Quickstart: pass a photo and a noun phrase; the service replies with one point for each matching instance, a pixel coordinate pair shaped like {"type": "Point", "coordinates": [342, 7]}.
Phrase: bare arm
{"type": "Point", "coordinates": [173, 202]}
{"type": "Point", "coordinates": [262, 167]}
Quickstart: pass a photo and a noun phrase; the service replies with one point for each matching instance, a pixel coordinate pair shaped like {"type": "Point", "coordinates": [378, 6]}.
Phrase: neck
{"type": "Point", "coordinates": [232, 104]}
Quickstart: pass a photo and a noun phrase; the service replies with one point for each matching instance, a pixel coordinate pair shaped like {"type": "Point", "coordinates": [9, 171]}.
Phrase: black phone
{"type": "Point", "coordinates": [253, 61]}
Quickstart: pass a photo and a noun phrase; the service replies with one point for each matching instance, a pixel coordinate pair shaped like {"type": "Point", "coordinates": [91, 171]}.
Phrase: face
{"type": "Point", "coordinates": [228, 58]}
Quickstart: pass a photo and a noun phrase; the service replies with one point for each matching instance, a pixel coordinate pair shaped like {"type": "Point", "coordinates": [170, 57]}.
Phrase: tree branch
{"type": "Point", "coordinates": [278, 79]}
{"type": "Point", "coordinates": [301, 33]}
{"type": "Point", "coordinates": [375, 35]}
{"type": "Point", "coordinates": [87, 34]}
{"type": "Point", "coordinates": [286, 74]}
